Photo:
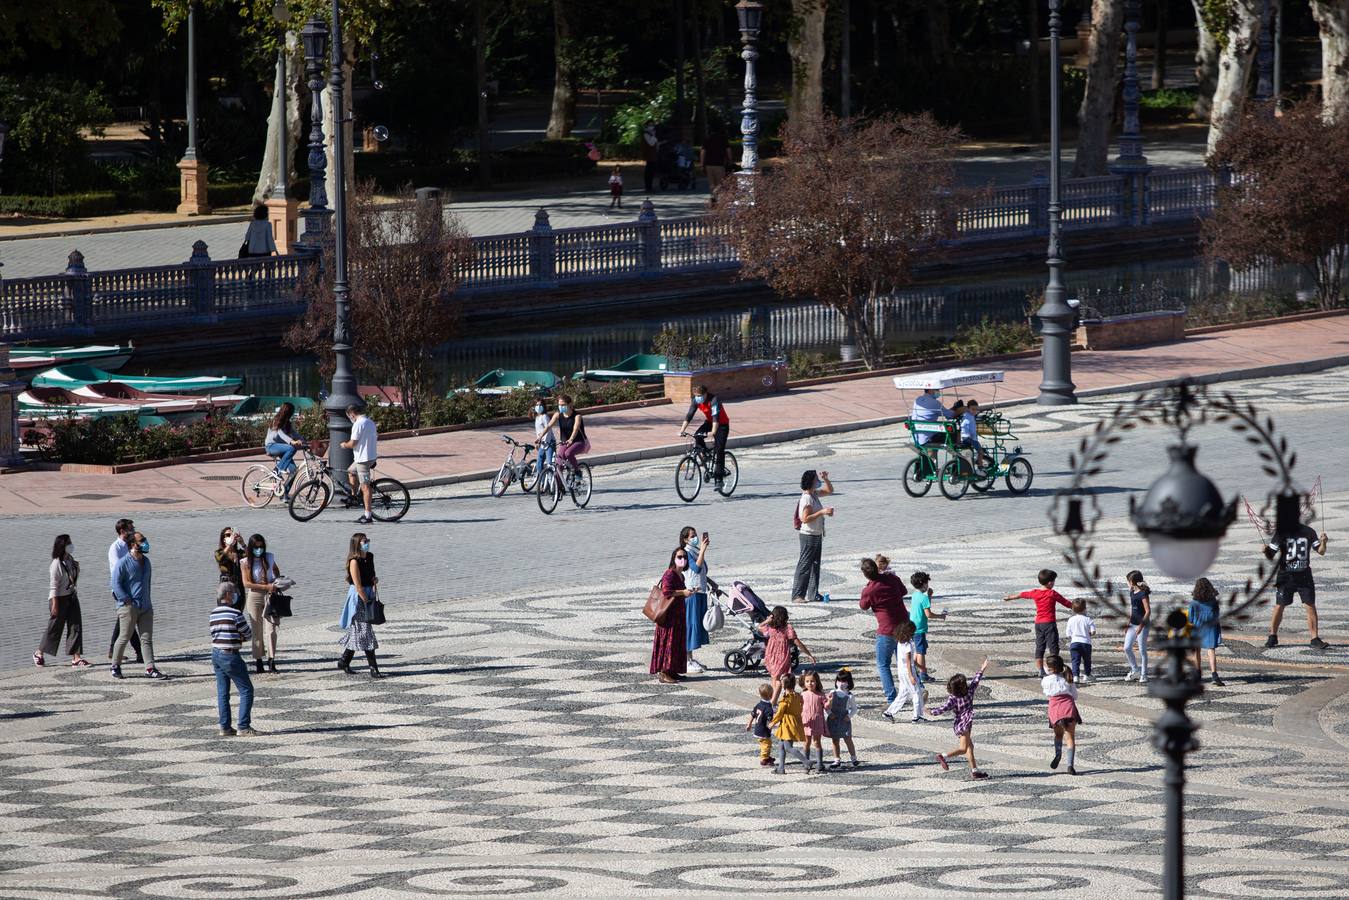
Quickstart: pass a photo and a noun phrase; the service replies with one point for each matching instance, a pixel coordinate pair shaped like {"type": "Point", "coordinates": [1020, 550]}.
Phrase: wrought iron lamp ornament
{"type": "Point", "coordinates": [750, 16]}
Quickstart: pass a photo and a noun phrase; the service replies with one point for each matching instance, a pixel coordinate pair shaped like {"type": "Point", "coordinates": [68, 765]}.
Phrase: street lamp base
{"type": "Point", "coordinates": [192, 188]}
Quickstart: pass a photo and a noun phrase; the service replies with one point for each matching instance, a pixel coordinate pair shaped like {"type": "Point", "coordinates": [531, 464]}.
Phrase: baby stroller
{"type": "Point", "coordinates": [747, 609]}
{"type": "Point", "coordinates": [674, 165]}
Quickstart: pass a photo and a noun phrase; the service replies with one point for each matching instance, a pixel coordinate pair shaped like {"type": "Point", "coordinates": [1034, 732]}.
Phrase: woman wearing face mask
{"type": "Point", "coordinates": [572, 430]}
{"type": "Point", "coordinates": [669, 657]}
{"type": "Point", "coordinates": [544, 438]}
{"type": "Point", "coordinates": [363, 585]}
{"type": "Point", "coordinates": [695, 605]}
{"type": "Point", "coordinates": [812, 513]}
{"type": "Point", "coordinates": [228, 553]}
{"type": "Point", "coordinates": [64, 605]}
{"type": "Point", "coordinates": [260, 572]}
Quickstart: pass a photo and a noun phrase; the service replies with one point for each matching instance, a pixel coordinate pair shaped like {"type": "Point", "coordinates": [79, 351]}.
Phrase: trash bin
{"type": "Point", "coordinates": [427, 193]}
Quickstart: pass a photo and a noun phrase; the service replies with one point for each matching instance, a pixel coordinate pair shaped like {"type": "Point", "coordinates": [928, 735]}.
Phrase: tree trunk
{"type": "Point", "coordinates": [293, 113]}
{"type": "Point", "coordinates": [1098, 103]}
{"type": "Point", "coordinates": [562, 118]}
{"type": "Point", "coordinates": [1234, 69]}
{"type": "Point", "coordinates": [1332, 18]}
{"type": "Point", "coordinates": [1033, 69]}
{"type": "Point", "coordinates": [1205, 65]}
{"type": "Point", "coordinates": [480, 73]}
{"type": "Point", "coordinates": [329, 122]}
{"type": "Point", "coordinates": [699, 76]}
{"type": "Point", "coordinates": [938, 30]}
{"type": "Point", "coordinates": [805, 45]}
{"type": "Point", "coordinates": [680, 104]}
{"type": "Point", "coordinates": [868, 346]}
{"type": "Point", "coordinates": [1159, 47]}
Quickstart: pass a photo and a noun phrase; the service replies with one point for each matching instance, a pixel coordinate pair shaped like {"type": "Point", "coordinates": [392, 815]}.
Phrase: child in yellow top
{"type": "Point", "coordinates": [787, 725]}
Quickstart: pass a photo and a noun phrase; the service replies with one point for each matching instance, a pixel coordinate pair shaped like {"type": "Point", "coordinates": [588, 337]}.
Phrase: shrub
{"type": "Point", "coordinates": [467, 406]}
{"type": "Point", "coordinates": [624, 391]}
{"type": "Point", "coordinates": [990, 338]}
{"type": "Point", "coordinates": [802, 365]}
{"type": "Point", "coordinates": [1224, 309]}
{"type": "Point", "coordinates": [60, 206]}
{"type": "Point", "coordinates": [518, 402]}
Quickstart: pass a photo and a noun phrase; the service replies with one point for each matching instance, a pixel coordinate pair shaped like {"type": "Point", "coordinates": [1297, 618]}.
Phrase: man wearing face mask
{"type": "Point", "coordinates": [131, 588]}
{"type": "Point", "coordinates": [715, 420]}
{"type": "Point", "coordinates": [116, 551]}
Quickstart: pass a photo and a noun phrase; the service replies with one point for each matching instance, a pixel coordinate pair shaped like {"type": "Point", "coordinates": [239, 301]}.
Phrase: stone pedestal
{"type": "Point", "coordinates": [10, 388]}
{"type": "Point", "coordinates": [745, 380]}
{"type": "Point", "coordinates": [283, 216]}
{"type": "Point", "coordinates": [1135, 330]}
{"type": "Point", "coordinates": [192, 188]}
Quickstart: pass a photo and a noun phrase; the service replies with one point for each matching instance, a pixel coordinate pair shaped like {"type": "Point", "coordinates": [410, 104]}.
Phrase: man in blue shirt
{"type": "Point", "coordinates": [927, 407]}
{"type": "Point", "coordinates": [131, 590]}
{"type": "Point", "coordinates": [118, 549]}
{"type": "Point", "coordinates": [969, 434]}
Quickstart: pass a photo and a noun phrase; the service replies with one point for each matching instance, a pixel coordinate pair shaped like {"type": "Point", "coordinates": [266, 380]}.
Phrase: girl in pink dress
{"type": "Point", "coordinates": [777, 657]}
{"type": "Point", "coordinates": [812, 717]}
{"type": "Point", "coordinates": [1063, 715]}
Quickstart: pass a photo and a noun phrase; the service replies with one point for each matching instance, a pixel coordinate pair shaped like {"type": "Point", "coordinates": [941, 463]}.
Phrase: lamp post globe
{"type": "Point", "coordinates": [1183, 517]}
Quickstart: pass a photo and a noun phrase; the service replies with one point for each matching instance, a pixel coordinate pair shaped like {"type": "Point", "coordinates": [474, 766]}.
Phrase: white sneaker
{"type": "Point", "coordinates": [696, 667]}
{"type": "Point", "coordinates": [1132, 676]}
{"type": "Point", "coordinates": [1086, 679]}
{"type": "Point", "coordinates": [1142, 679]}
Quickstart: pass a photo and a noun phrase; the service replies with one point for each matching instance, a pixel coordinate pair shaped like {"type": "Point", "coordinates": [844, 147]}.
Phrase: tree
{"type": "Point", "coordinates": [1237, 49]}
{"type": "Point", "coordinates": [1332, 19]}
{"type": "Point", "coordinates": [1205, 62]}
{"type": "Point", "coordinates": [1098, 102]}
{"type": "Point", "coordinates": [404, 261]}
{"type": "Point", "coordinates": [847, 214]}
{"type": "Point", "coordinates": [48, 117]}
{"type": "Point", "coordinates": [805, 45]}
{"type": "Point", "coordinates": [1287, 197]}
{"type": "Point", "coordinates": [562, 117]}
{"type": "Point", "coordinates": [90, 24]}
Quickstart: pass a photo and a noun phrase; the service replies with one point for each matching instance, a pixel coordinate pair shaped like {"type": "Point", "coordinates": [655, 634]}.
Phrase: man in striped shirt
{"type": "Point", "coordinates": [229, 631]}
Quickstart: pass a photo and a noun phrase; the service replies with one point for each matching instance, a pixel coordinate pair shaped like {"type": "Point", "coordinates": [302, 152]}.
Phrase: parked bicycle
{"type": "Point", "coordinates": [697, 466]}
{"type": "Point", "coordinates": [557, 479]}
{"type": "Point", "coordinates": [263, 483]}
{"type": "Point", "coordinates": [389, 500]}
{"type": "Point", "coordinates": [522, 470]}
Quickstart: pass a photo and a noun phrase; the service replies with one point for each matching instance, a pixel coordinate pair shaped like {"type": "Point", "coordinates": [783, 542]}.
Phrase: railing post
{"type": "Point", "coordinates": [202, 280]}
{"type": "Point", "coordinates": [649, 229]}
{"type": "Point", "coordinates": [78, 293]}
{"type": "Point", "coordinates": [542, 250]}
{"type": "Point", "coordinates": [1039, 203]}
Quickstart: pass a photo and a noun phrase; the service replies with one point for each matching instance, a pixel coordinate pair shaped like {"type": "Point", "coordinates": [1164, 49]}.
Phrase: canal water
{"type": "Point", "coordinates": [904, 321]}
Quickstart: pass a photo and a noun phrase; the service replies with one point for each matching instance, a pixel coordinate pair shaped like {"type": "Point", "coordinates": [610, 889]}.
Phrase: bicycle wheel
{"type": "Point", "coordinates": [730, 477]}
{"type": "Point", "coordinates": [389, 500]}
{"type": "Point", "coordinates": [1019, 476]}
{"type": "Point", "coordinates": [503, 480]}
{"type": "Point", "coordinates": [952, 481]}
{"type": "Point", "coordinates": [688, 479]}
{"type": "Point", "coordinates": [259, 485]}
{"type": "Point", "coordinates": [527, 475]}
{"type": "Point", "coordinates": [309, 499]}
{"type": "Point", "coordinates": [549, 491]}
{"type": "Point", "coordinates": [581, 485]}
{"type": "Point", "coordinates": [915, 479]}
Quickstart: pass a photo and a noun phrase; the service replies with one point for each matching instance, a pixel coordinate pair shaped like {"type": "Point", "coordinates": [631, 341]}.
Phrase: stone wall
{"type": "Point", "coordinates": [746, 380]}
{"type": "Point", "coordinates": [1132, 331]}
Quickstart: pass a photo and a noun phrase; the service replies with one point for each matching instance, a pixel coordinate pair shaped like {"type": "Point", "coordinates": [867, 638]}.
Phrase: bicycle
{"type": "Point", "coordinates": [696, 466]}
{"type": "Point", "coordinates": [524, 470]}
{"type": "Point", "coordinates": [389, 500]}
{"type": "Point", "coordinates": [263, 483]}
{"type": "Point", "coordinates": [557, 478]}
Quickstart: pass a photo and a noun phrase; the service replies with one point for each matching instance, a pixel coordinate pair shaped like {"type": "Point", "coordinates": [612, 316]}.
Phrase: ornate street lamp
{"type": "Point", "coordinates": [1264, 60]}
{"type": "Point", "coordinates": [1184, 519]}
{"type": "Point", "coordinates": [1056, 316]}
{"type": "Point", "coordinates": [314, 37]}
{"type": "Point", "coordinates": [750, 15]}
{"type": "Point", "coordinates": [192, 170]}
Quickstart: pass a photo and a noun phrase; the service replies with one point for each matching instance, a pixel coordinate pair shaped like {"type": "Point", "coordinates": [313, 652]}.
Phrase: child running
{"type": "Point", "coordinates": [759, 718]}
{"type": "Point", "coordinates": [920, 610]}
{"type": "Point", "coordinates": [787, 724]}
{"type": "Point", "coordinates": [777, 656]}
{"type": "Point", "coordinates": [1046, 622]}
{"type": "Point", "coordinates": [1063, 715]}
{"type": "Point", "coordinates": [812, 717]}
{"type": "Point", "coordinates": [838, 717]}
{"type": "Point", "coordinates": [1080, 628]}
{"type": "Point", "coordinates": [911, 689]}
{"type": "Point", "coordinates": [960, 699]}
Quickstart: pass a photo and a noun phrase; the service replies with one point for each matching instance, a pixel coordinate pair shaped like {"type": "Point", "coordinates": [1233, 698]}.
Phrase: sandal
{"type": "Point", "coordinates": [80, 663]}
{"type": "Point", "coordinates": [38, 660]}
{"type": "Point", "coordinates": [665, 678]}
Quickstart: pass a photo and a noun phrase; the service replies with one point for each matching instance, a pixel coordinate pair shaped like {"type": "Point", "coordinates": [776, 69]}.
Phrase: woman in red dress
{"type": "Point", "coordinates": [669, 657]}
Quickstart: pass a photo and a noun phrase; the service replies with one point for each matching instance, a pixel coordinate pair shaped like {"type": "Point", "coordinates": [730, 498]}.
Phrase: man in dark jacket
{"type": "Point", "coordinates": [884, 596]}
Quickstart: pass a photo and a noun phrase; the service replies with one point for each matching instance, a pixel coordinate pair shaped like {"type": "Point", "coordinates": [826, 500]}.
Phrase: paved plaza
{"type": "Point", "coordinates": [518, 745]}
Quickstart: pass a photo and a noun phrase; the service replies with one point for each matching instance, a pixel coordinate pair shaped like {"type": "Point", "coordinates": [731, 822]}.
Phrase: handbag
{"type": "Point", "coordinates": [278, 606]}
{"type": "Point", "coordinates": [714, 619]}
{"type": "Point", "coordinates": [374, 612]}
{"type": "Point", "coordinates": [657, 607]}
{"type": "Point", "coordinates": [243, 250]}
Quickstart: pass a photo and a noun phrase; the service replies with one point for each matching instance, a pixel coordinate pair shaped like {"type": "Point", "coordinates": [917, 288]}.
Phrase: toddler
{"type": "Point", "coordinates": [920, 611]}
{"type": "Point", "coordinates": [787, 723]}
{"type": "Point", "coordinates": [910, 687]}
{"type": "Point", "coordinates": [839, 710]}
{"type": "Point", "coordinates": [883, 564]}
{"type": "Point", "coordinates": [960, 699]}
{"type": "Point", "coordinates": [1046, 620]}
{"type": "Point", "coordinates": [616, 188]}
{"type": "Point", "coordinates": [758, 723]}
{"type": "Point", "coordinates": [1080, 628]}
{"type": "Point", "coordinates": [812, 717]}
{"type": "Point", "coordinates": [1063, 715]}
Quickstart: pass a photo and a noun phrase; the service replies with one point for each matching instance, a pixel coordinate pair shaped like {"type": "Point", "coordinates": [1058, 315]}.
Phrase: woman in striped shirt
{"type": "Point", "coordinates": [229, 630]}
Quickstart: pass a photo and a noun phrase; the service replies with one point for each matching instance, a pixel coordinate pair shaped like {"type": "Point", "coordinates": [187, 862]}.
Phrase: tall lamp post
{"type": "Point", "coordinates": [1131, 164]}
{"type": "Point", "coordinates": [750, 14]}
{"type": "Point", "coordinates": [1056, 316]}
{"type": "Point", "coordinates": [314, 37]}
{"type": "Point", "coordinates": [280, 208]}
{"type": "Point", "coordinates": [192, 170]}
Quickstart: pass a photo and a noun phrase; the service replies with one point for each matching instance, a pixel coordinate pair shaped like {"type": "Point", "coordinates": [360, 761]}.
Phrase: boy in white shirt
{"type": "Point", "coordinates": [1080, 628]}
{"type": "Point", "coordinates": [910, 688]}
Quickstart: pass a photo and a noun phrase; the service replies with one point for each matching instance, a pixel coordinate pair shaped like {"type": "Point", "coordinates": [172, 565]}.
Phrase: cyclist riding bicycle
{"type": "Point", "coordinates": [715, 421]}
{"type": "Point", "coordinates": [572, 430]}
{"type": "Point", "coordinates": [281, 443]}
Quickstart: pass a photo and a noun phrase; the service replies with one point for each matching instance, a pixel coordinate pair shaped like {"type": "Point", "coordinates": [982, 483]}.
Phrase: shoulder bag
{"type": "Point", "coordinates": [657, 607]}
{"type": "Point", "coordinates": [374, 612]}
{"type": "Point", "coordinates": [278, 605]}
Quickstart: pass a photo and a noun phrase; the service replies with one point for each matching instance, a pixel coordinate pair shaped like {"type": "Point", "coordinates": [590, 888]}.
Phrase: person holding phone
{"type": "Point", "coordinates": [695, 605]}
{"type": "Point", "coordinates": [812, 513]}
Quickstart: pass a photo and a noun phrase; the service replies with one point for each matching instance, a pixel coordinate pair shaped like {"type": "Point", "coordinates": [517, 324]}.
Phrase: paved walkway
{"type": "Point", "coordinates": [649, 432]}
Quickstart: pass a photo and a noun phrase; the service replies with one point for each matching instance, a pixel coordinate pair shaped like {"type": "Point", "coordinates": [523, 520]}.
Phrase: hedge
{"type": "Point", "coordinates": [100, 203]}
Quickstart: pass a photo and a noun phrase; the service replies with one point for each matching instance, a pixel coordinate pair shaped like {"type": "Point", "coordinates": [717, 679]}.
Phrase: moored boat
{"type": "Point", "coordinates": [502, 381]}
{"type": "Point", "coordinates": [78, 375]}
{"type": "Point", "coordinates": [643, 368]}
{"type": "Point", "coordinates": [110, 357]}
